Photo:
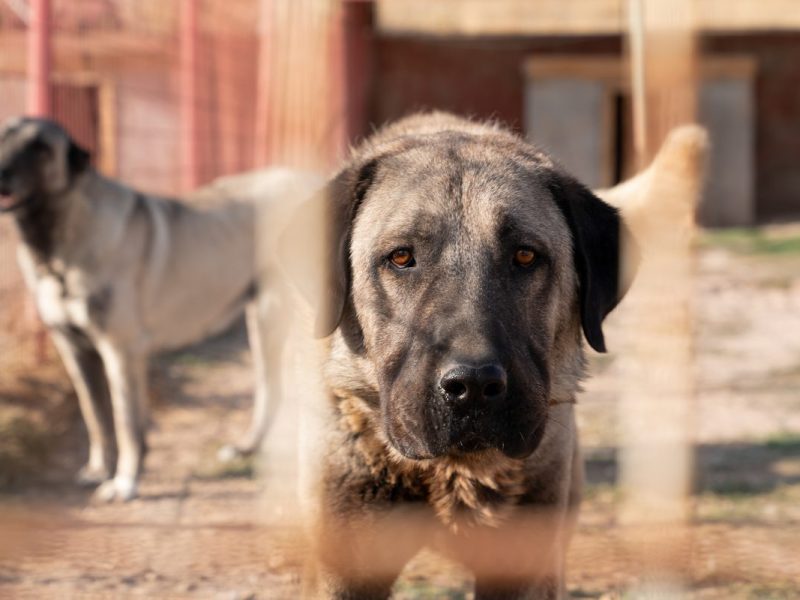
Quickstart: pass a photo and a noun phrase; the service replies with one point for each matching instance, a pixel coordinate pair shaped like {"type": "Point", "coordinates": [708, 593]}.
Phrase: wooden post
{"type": "Point", "coordinates": [655, 409]}
{"type": "Point", "coordinates": [39, 105]}
{"type": "Point", "coordinates": [636, 59]}
{"type": "Point", "coordinates": [107, 100]}
{"type": "Point", "coordinates": [350, 69]}
{"type": "Point", "coordinates": [662, 57]}
{"type": "Point", "coordinates": [189, 95]}
{"type": "Point", "coordinates": [357, 54]}
{"type": "Point", "coordinates": [262, 147]}
{"type": "Point", "coordinates": [337, 75]}
{"type": "Point", "coordinates": [39, 59]}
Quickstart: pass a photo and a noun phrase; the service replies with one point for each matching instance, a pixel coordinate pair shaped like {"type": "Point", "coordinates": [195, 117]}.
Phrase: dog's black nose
{"type": "Point", "coordinates": [465, 383]}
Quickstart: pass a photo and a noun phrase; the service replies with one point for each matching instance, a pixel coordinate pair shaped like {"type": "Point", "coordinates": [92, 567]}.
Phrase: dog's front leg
{"type": "Point", "coordinates": [362, 538]}
{"type": "Point", "coordinates": [541, 579]}
{"type": "Point", "coordinates": [360, 558]}
{"type": "Point", "coordinates": [541, 590]}
{"type": "Point", "coordinates": [126, 372]}
{"type": "Point", "coordinates": [85, 370]}
{"type": "Point", "coordinates": [524, 559]}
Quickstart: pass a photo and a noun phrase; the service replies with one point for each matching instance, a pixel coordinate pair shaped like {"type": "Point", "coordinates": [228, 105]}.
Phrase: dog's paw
{"type": "Point", "coordinates": [90, 476]}
{"type": "Point", "coordinates": [118, 489]}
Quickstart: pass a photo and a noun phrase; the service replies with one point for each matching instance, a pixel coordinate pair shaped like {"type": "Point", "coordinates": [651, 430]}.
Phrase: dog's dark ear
{"type": "Point", "coordinates": [597, 234]}
{"type": "Point", "coordinates": [78, 159]}
{"type": "Point", "coordinates": [319, 232]}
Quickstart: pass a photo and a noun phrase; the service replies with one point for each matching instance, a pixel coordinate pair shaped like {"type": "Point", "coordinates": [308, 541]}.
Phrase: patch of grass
{"type": "Point", "coordinates": [213, 468]}
{"type": "Point", "coordinates": [776, 504]}
{"type": "Point", "coordinates": [602, 492]}
{"type": "Point", "coordinates": [420, 588]}
{"type": "Point", "coordinates": [714, 509]}
{"type": "Point", "coordinates": [786, 441]}
{"type": "Point", "coordinates": [747, 591]}
{"type": "Point", "coordinates": [430, 575]}
{"type": "Point", "coordinates": [752, 241]}
{"type": "Point", "coordinates": [585, 593]}
{"type": "Point", "coordinates": [188, 359]}
{"type": "Point", "coordinates": [737, 490]}
{"type": "Point", "coordinates": [778, 246]}
{"type": "Point", "coordinates": [784, 591]}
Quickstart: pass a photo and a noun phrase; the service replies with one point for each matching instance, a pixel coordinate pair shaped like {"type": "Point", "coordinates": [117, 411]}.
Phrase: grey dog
{"type": "Point", "coordinates": [118, 274]}
{"type": "Point", "coordinates": [464, 269]}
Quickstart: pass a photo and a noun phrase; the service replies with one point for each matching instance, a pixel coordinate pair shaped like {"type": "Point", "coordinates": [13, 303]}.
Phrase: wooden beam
{"type": "Point", "coordinates": [100, 52]}
{"type": "Point", "coordinates": [612, 71]}
{"type": "Point", "coordinates": [568, 17]}
{"type": "Point", "coordinates": [499, 17]}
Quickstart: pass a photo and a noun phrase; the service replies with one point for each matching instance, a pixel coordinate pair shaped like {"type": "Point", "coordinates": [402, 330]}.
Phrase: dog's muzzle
{"type": "Point", "coordinates": [7, 203]}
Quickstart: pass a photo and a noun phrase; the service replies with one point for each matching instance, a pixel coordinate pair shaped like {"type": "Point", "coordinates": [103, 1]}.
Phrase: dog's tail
{"type": "Point", "coordinates": [678, 171]}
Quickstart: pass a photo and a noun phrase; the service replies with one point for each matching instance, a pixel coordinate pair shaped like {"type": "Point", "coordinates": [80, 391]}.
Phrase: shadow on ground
{"type": "Point", "coordinates": [735, 468]}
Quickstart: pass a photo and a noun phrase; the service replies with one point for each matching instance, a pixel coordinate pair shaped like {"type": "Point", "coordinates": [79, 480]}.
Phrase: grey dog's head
{"type": "Point", "coordinates": [462, 265]}
{"type": "Point", "coordinates": [38, 160]}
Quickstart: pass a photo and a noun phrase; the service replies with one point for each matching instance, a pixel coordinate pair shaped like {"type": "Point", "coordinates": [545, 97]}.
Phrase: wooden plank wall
{"type": "Point", "coordinates": [300, 103]}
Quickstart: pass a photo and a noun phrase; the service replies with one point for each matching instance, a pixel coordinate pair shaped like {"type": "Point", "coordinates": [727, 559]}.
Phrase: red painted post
{"type": "Point", "coordinates": [39, 104]}
{"type": "Point", "coordinates": [39, 59]}
{"type": "Point", "coordinates": [190, 174]}
{"type": "Point", "coordinates": [262, 151]}
{"type": "Point", "coordinates": [358, 51]}
{"type": "Point", "coordinates": [337, 82]}
{"type": "Point", "coordinates": [351, 67]}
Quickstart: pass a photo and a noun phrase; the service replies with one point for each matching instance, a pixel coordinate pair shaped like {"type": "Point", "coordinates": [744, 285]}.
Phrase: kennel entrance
{"type": "Point", "coordinates": [578, 109]}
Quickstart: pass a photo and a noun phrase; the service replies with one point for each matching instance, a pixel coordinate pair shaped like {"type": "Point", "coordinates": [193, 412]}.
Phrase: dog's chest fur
{"type": "Point", "coordinates": [465, 492]}
{"type": "Point", "coordinates": [63, 296]}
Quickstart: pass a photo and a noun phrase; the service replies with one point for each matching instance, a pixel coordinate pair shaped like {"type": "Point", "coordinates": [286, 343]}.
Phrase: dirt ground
{"type": "Point", "coordinates": [196, 531]}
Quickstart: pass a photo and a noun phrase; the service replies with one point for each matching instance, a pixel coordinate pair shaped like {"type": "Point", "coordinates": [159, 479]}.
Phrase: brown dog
{"type": "Point", "coordinates": [464, 267]}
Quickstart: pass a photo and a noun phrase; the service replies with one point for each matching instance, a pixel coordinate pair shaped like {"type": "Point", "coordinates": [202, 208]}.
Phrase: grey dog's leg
{"type": "Point", "coordinates": [85, 370]}
{"type": "Point", "coordinates": [266, 372]}
{"type": "Point", "coordinates": [127, 379]}
{"type": "Point", "coordinates": [266, 332]}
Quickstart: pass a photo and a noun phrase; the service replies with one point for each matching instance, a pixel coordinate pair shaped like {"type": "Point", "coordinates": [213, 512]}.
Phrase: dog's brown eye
{"type": "Point", "coordinates": [402, 258]}
{"type": "Point", "coordinates": [524, 257]}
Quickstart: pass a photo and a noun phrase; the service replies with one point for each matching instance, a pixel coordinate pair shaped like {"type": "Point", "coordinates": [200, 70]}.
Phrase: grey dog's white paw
{"type": "Point", "coordinates": [90, 476]}
{"type": "Point", "coordinates": [118, 489]}
{"type": "Point", "coordinates": [228, 453]}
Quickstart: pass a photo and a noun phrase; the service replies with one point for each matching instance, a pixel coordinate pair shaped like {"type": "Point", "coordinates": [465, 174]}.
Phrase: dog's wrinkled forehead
{"type": "Point", "coordinates": [485, 190]}
{"type": "Point", "coordinates": [18, 133]}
